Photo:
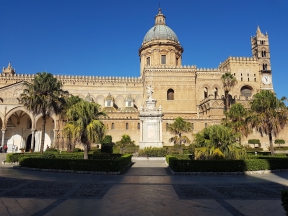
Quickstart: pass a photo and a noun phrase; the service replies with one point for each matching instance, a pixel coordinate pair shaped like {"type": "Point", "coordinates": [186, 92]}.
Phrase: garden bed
{"type": "Point", "coordinates": [227, 166]}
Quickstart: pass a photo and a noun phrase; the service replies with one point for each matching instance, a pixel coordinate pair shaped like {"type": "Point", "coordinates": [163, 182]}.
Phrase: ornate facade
{"type": "Point", "coordinates": [196, 94]}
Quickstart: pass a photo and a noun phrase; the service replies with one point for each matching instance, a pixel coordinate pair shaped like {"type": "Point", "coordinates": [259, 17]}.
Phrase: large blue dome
{"type": "Point", "coordinates": [160, 32]}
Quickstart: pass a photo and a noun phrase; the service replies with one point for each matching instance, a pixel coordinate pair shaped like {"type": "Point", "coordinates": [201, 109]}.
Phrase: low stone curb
{"type": "Point", "coordinates": [9, 163]}
{"type": "Point", "coordinates": [229, 173]}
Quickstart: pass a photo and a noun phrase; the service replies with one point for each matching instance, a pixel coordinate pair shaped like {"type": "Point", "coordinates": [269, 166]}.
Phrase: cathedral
{"type": "Point", "coordinates": [195, 94]}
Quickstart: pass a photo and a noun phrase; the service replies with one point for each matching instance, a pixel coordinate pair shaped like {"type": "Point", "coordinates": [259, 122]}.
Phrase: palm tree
{"type": "Point", "coordinates": [178, 127]}
{"type": "Point", "coordinates": [218, 137]}
{"type": "Point", "coordinates": [238, 120]}
{"type": "Point", "coordinates": [84, 125]}
{"type": "Point", "coordinates": [44, 96]}
{"type": "Point", "coordinates": [229, 81]}
{"type": "Point", "coordinates": [270, 114]}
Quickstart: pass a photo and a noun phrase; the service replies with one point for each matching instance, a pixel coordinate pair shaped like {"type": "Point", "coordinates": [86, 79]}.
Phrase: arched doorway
{"type": "Point", "coordinates": [29, 143]}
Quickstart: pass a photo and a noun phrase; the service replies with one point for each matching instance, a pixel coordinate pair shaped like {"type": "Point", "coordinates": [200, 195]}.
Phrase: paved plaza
{"type": "Point", "coordinates": [147, 188]}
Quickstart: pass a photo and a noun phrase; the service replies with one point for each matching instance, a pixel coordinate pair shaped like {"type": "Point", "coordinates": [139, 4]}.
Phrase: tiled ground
{"type": "Point", "coordinates": [148, 188]}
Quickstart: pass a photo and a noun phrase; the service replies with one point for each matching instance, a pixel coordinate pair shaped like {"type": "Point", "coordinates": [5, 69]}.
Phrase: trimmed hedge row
{"type": "Point", "coordinates": [14, 157]}
{"type": "Point", "coordinates": [226, 165]}
{"type": "Point", "coordinates": [100, 165]}
{"type": "Point", "coordinates": [284, 199]}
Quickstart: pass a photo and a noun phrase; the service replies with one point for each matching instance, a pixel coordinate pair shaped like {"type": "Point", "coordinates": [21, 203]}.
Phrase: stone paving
{"type": "Point", "coordinates": [147, 188]}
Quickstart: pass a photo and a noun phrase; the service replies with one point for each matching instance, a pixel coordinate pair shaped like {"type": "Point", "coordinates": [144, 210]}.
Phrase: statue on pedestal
{"type": "Point", "coordinates": [149, 92]}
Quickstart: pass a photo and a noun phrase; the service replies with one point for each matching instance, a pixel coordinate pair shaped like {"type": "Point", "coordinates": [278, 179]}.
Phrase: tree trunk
{"type": "Point", "coordinates": [85, 151]}
{"type": "Point", "coordinates": [226, 100]}
{"type": "Point", "coordinates": [43, 134]}
{"type": "Point", "coordinates": [271, 144]}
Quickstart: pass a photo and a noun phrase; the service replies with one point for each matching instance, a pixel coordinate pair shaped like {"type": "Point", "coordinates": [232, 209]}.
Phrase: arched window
{"type": "Point", "coordinates": [112, 126]}
{"type": "Point", "coordinates": [215, 93]}
{"type": "Point", "coordinates": [148, 61]}
{"type": "Point", "coordinates": [127, 126]}
{"type": "Point", "coordinates": [264, 66]}
{"type": "Point", "coordinates": [138, 126]}
{"type": "Point", "coordinates": [205, 92]}
{"type": "Point", "coordinates": [246, 91]}
{"type": "Point", "coordinates": [206, 125]}
{"type": "Point", "coordinates": [263, 53]}
{"type": "Point", "coordinates": [192, 126]}
{"type": "Point", "coordinates": [163, 59]}
{"type": "Point", "coordinates": [167, 126]}
{"type": "Point", "coordinates": [170, 94]}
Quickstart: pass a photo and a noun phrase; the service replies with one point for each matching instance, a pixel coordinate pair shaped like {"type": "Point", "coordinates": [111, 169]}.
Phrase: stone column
{"type": "Point", "coordinates": [160, 130]}
{"type": "Point", "coordinates": [55, 138]}
{"type": "Point", "coordinates": [3, 135]}
{"type": "Point", "coordinates": [141, 128]}
{"type": "Point", "coordinates": [33, 139]}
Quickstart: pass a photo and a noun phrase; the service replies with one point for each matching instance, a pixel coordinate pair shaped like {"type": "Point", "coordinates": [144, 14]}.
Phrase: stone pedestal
{"type": "Point", "coordinates": [151, 125]}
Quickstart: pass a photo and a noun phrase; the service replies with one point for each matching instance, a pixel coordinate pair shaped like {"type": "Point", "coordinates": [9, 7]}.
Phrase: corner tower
{"type": "Point", "coordinates": [261, 51]}
{"type": "Point", "coordinates": [160, 45]}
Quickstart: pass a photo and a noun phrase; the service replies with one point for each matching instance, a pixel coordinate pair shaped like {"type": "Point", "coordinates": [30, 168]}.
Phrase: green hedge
{"type": "Point", "coordinates": [152, 152]}
{"type": "Point", "coordinates": [226, 165]}
{"type": "Point", "coordinates": [284, 199]}
{"type": "Point", "coordinates": [109, 165]}
{"type": "Point", "coordinates": [14, 157]}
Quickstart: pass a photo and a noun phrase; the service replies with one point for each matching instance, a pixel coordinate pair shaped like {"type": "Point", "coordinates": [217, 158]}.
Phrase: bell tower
{"type": "Point", "coordinates": [261, 51]}
{"type": "Point", "coordinates": [8, 70]}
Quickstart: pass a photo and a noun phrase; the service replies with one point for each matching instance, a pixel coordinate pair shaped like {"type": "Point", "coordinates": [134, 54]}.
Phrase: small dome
{"type": "Point", "coordinates": [160, 32]}
{"type": "Point", "coordinates": [129, 98]}
{"type": "Point", "coordinates": [109, 98]}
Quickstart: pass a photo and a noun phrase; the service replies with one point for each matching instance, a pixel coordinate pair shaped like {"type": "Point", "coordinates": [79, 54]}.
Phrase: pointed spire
{"type": "Point", "coordinates": [258, 32]}
{"type": "Point", "coordinates": [9, 69]}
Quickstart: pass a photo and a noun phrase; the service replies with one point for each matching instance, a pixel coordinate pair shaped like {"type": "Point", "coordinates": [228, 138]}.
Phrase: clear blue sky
{"type": "Point", "coordinates": [102, 37]}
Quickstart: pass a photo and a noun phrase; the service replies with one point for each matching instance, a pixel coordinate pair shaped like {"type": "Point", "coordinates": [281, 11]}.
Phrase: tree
{"type": "Point", "coordinates": [270, 115]}
{"type": "Point", "coordinates": [228, 81]}
{"type": "Point", "coordinates": [70, 101]}
{"type": "Point", "coordinates": [279, 141]}
{"type": "Point", "coordinates": [107, 144]}
{"type": "Point", "coordinates": [217, 138]}
{"type": "Point", "coordinates": [238, 120]}
{"type": "Point", "coordinates": [84, 125]}
{"type": "Point", "coordinates": [44, 95]}
{"type": "Point", "coordinates": [178, 127]}
{"type": "Point", "coordinates": [254, 142]}
{"type": "Point", "coordinates": [125, 141]}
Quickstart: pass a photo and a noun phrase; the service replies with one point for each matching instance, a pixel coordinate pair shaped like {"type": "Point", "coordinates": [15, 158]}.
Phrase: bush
{"type": "Point", "coordinates": [77, 150]}
{"type": "Point", "coordinates": [281, 148]}
{"type": "Point", "coordinates": [51, 150]}
{"type": "Point", "coordinates": [152, 152]}
{"type": "Point", "coordinates": [226, 165]}
{"type": "Point", "coordinates": [108, 165]}
{"type": "Point", "coordinates": [104, 155]}
{"type": "Point", "coordinates": [48, 156]}
{"type": "Point", "coordinates": [107, 148]}
{"type": "Point", "coordinates": [173, 150]}
{"type": "Point", "coordinates": [248, 148]}
{"type": "Point", "coordinates": [284, 199]}
{"type": "Point", "coordinates": [14, 157]}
